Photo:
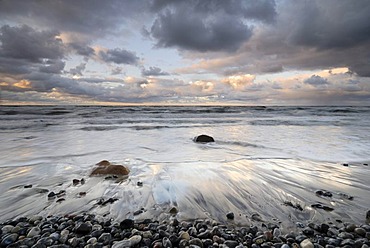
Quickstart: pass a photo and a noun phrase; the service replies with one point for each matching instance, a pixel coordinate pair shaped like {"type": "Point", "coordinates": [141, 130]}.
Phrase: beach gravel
{"type": "Point", "coordinates": [88, 230]}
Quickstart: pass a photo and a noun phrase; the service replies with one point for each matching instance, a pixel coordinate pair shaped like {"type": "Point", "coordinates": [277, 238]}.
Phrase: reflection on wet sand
{"type": "Point", "coordinates": [276, 190]}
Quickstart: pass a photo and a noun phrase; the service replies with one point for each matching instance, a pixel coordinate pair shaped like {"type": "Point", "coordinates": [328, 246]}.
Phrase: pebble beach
{"type": "Point", "coordinates": [268, 177]}
{"type": "Point", "coordinates": [95, 231]}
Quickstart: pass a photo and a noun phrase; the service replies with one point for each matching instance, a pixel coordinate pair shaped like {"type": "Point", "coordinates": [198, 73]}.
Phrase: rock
{"type": "Point", "coordinates": [196, 242]}
{"type": "Point", "coordinates": [8, 239]}
{"type": "Point", "coordinates": [256, 217]}
{"type": "Point", "coordinates": [184, 243]}
{"type": "Point", "coordinates": [83, 228]}
{"type": "Point", "coordinates": [51, 194]}
{"type": "Point", "coordinates": [75, 182]}
{"type": "Point", "coordinates": [173, 210]}
{"type": "Point", "coordinates": [204, 139]}
{"type": "Point", "coordinates": [92, 240]}
{"type": "Point", "coordinates": [345, 164]}
{"type": "Point", "coordinates": [7, 229]}
{"type": "Point", "coordinates": [34, 232]}
{"type": "Point", "coordinates": [105, 238]}
{"type": "Point", "coordinates": [140, 184]}
{"type": "Point", "coordinates": [324, 193]}
{"type": "Point", "coordinates": [368, 216]}
{"type": "Point", "coordinates": [127, 224]}
{"type": "Point", "coordinates": [306, 244]}
{"type": "Point", "coordinates": [166, 243]}
{"type": "Point", "coordinates": [136, 239]}
{"type": "Point", "coordinates": [28, 186]}
{"type": "Point", "coordinates": [103, 163]}
{"type": "Point", "coordinates": [360, 231]}
{"type": "Point", "coordinates": [231, 243]}
{"type": "Point", "coordinates": [111, 169]}
{"type": "Point", "coordinates": [73, 242]}
{"type": "Point", "coordinates": [276, 233]}
{"type": "Point", "coordinates": [230, 215]}
{"type": "Point", "coordinates": [185, 235]}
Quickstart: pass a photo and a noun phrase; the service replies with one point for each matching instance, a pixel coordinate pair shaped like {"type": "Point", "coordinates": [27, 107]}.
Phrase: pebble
{"type": "Point", "coordinates": [83, 228]}
{"type": "Point", "coordinates": [306, 244]}
{"type": "Point", "coordinates": [230, 215]}
{"type": "Point", "coordinates": [86, 230]}
{"type": "Point", "coordinates": [34, 232]}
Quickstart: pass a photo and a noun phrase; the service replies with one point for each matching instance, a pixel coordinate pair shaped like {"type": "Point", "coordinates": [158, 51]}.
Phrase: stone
{"type": "Point", "coordinates": [204, 235]}
{"type": "Point", "coordinates": [103, 163]}
{"type": "Point", "coordinates": [75, 182]}
{"type": "Point", "coordinates": [51, 194]}
{"type": "Point", "coordinates": [73, 242]}
{"type": "Point", "coordinates": [324, 228]}
{"type": "Point", "coordinates": [306, 244]}
{"type": "Point", "coordinates": [184, 243]}
{"type": "Point", "coordinates": [256, 217]}
{"type": "Point", "coordinates": [111, 169]}
{"type": "Point", "coordinates": [92, 240]}
{"type": "Point", "coordinates": [28, 186]}
{"type": "Point", "coordinates": [196, 242]}
{"type": "Point", "coordinates": [7, 229]}
{"type": "Point", "coordinates": [324, 193]}
{"type": "Point", "coordinates": [136, 239]}
{"type": "Point", "coordinates": [127, 224]}
{"type": "Point", "coordinates": [276, 232]}
{"type": "Point", "coordinates": [83, 228]}
{"type": "Point", "coordinates": [368, 217]}
{"type": "Point", "coordinates": [203, 139]}
{"type": "Point", "coordinates": [105, 238]}
{"type": "Point", "coordinates": [185, 235]}
{"type": "Point", "coordinates": [360, 231]}
{"type": "Point", "coordinates": [230, 215]}
{"type": "Point", "coordinates": [231, 243]}
{"type": "Point", "coordinates": [173, 210]}
{"type": "Point", "coordinates": [8, 239]}
{"type": "Point", "coordinates": [34, 232]}
{"type": "Point", "coordinates": [122, 244]}
{"type": "Point", "coordinates": [166, 243]}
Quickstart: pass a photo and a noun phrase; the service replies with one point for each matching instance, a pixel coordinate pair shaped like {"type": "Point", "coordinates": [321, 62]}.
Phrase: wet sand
{"type": "Point", "coordinates": [257, 191]}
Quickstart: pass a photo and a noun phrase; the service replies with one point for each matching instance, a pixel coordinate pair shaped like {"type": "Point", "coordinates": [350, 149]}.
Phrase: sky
{"type": "Point", "coordinates": [164, 52]}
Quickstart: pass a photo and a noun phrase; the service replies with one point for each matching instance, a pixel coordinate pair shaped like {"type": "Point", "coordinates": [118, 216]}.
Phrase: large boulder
{"type": "Point", "coordinates": [203, 139]}
{"type": "Point", "coordinates": [106, 168]}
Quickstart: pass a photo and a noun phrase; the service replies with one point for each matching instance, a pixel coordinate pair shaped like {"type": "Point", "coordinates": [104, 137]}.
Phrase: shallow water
{"type": "Point", "coordinates": [262, 159]}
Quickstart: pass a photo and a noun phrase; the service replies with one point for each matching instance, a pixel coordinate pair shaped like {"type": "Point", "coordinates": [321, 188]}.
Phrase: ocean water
{"type": "Point", "coordinates": [266, 162]}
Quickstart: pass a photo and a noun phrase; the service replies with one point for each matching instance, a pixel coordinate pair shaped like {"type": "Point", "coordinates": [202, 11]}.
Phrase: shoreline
{"type": "Point", "coordinates": [88, 230]}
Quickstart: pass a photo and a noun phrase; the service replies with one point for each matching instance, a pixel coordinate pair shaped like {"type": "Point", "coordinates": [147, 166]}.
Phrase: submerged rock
{"type": "Point", "coordinates": [204, 139]}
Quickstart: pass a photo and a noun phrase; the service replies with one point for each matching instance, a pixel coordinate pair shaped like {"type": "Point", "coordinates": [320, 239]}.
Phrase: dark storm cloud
{"type": "Point", "coordinates": [90, 17]}
{"type": "Point", "coordinates": [331, 24]}
{"type": "Point", "coordinates": [29, 44]}
{"type": "Point", "coordinates": [24, 50]}
{"type": "Point", "coordinates": [81, 49]}
{"type": "Point", "coordinates": [208, 25]}
{"type": "Point", "coordinates": [263, 10]}
{"type": "Point", "coordinates": [153, 71]}
{"type": "Point", "coordinates": [339, 31]}
{"type": "Point", "coordinates": [53, 66]}
{"type": "Point", "coordinates": [316, 80]}
{"type": "Point", "coordinates": [119, 56]}
{"type": "Point", "coordinates": [78, 69]}
{"type": "Point", "coordinates": [179, 29]}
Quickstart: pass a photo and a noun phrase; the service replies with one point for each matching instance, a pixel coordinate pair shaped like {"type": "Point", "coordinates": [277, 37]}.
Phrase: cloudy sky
{"type": "Point", "coordinates": [265, 52]}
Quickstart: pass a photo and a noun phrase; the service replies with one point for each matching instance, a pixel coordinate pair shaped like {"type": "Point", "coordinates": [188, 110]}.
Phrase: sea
{"type": "Point", "coordinates": [275, 164]}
